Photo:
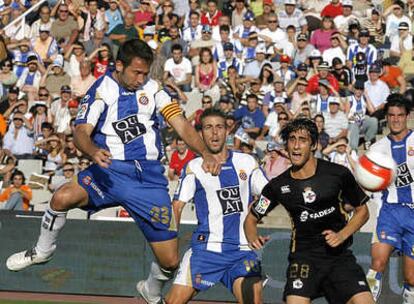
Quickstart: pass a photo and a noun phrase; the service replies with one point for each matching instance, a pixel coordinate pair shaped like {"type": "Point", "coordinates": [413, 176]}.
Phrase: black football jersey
{"type": "Point", "coordinates": [314, 204]}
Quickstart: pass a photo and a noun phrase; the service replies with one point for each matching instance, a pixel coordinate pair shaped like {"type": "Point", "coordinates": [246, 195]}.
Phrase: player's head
{"type": "Point", "coordinates": [214, 130]}
{"type": "Point", "coordinates": [397, 109]}
{"type": "Point", "coordinates": [301, 138]}
{"type": "Point", "coordinates": [133, 63]}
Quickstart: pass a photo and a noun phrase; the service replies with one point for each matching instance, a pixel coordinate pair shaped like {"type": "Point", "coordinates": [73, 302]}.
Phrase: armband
{"type": "Point", "coordinates": [170, 111]}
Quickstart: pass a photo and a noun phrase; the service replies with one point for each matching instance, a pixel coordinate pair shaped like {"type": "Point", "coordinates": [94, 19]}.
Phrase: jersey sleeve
{"type": "Point", "coordinates": [352, 192]}
{"type": "Point", "coordinates": [266, 203]}
{"type": "Point", "coordinates": [186, 186]}
{"type": "Point", "coordinates": [258, 181]}
{"type": "Point", "coordinates": [167, 104]}
{"type": "Point", "coordinates": [91, 107]}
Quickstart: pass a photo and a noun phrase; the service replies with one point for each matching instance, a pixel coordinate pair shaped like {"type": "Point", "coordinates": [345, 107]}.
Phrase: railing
{"type": "Point", "coordinates": [23, 16]}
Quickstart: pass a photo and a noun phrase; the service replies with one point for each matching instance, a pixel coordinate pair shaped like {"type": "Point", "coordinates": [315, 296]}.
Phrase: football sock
{"type": "Point", "coordinates": [408, 294]}
{"type": "Point", "coordinates": [374, 280]}
{"type": "Point", "coordinates": [52, 223]}
{"type": "Point", "coordinates": [157, 279]}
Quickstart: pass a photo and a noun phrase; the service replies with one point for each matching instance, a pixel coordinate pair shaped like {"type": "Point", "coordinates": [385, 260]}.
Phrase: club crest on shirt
{"type": "Point", "coordinates": [143, 99]}
{"type": "Point", "coordinates": [308, 195]}
{"type": "Point", "coordinates": [410, 151]}
{"type": "Point", "coordinates": [243, 175]}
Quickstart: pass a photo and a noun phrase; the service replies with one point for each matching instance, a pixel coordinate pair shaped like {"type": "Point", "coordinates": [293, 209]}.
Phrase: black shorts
{"type": "Point", "coordinates": [337, 278]}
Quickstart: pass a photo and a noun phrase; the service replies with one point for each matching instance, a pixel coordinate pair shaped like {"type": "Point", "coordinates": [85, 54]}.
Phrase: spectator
{"type": "Point", "coordinates": [275, 161]}
{"type": "Point", "coordinates": [178, 69]}
{"type": "Point", "coordinates": [17, 31]}
{"type": "Point", "coordinates": [393, 76]}
{"type": "Point", "coordinates": [343, 75]}
{"type": "Point", "coordinates": [29, 81]}
{"type": "Point", "coordinates": [218, 50]}
{"type": "Point", "coordinates": [278, 93]}
{"type": "Point", "coordinates": [40, 144]}
{"type": "Point", "coordinates": [229, 60]}
{"type": "Point", "coordinates": [194, 7]}
{"type": "Point", "coordinates": [45, 45]}
{"type": "Point", "coordinates": [251, 117]}
{"type": "Point", "coordinates": [64, 29]}
{"type": "Point", "coordinates": [336, 122]}
{"type": "Point", "coordinates": [299, 97]}
{"type": "Point", "coordinates": [303, 50]}
{"type": "Point", "coordinates": [123, 32]}
{"type": "Point", "coordinates": [81, 84]}
{"type": "Point", "coordinates": [206, 74]}
{"type": "Point", "coordinates": [335, 51]}
{"type": "Point", "coordinates": [359, 121]}
{"type": "Point", "coordinates": [323, 74]}
{"type": "Point", "coordinates": [71, 152]}
{"type": "Point", "coordinates": [193, 31]}
{"type": "Point", "coordinates": [7, 165]}
{"type": "Point", "coordinates": [60, 110]}
{"type": "Point", "coordinates": [321, 38]}
{"type": "Point", "coordinates": [205, 41]}
{"type": "Point", "coordinates": [145, 15]}
{"type": "Point", "coordinates": [323, 99]}
{"type": "Point", "coordinates": [403, 41]}
{"type": "Point", "coordinates": [266, 79]}
{"type": "Point", "coordinates": [362, 47]}
{"type": "Point", "coordinates": [98, 41]}
{"type": "Point", "coordinates": [7, 77]}
{"type": "Point", "coordinates": [340, 153]}
{"type": "Point", "coordinates": [323, 137]}
{"type": "Point", "coordinates": [68, 176]}
{"type": "Point", "coordinates": [55, 80]}
{"type": "Point", "coordinates": [394, 15]}
{"type": "Point", "coordinates": [315, 58]}
{"type": "Point", "coordinates": [75, 55]}
{"type": "Point", "coordinates": [83, 163]}
{"type": "Point", "coordinates": [56, 156]}
{"type": "Point", "coordinates": [40, 116]}
{"type": "Point", "coordinates": [255, 88]}
{"type": "Point", "coordinates": [44, 20]}
{"type": "Point", "coordinates": [212, 15]}
{"type": "Point", "coordinates": [18, 195]}
{"type": "Point", "coordinates": [376, 91]}
{"type": "Point", "coordinates": [179, 158]}
{"type": "Point", "coordinates": [292, 16]}
{"type": "Point", "coordinates": [285, 71]}
{"type": "Point", "coordinates": [113, 17]}
{"type": "Point", "coordinates": [242, 31]}
{"type": "Point", "coordinates": [101, 58]}
{"type": "Point", "coordinates": [252, 69]}
{"type": "Point", "coordinates": [332, 10]}
{"type": "Point", "coordinates": [166, 49]}
{"type": "Point", "coordinates": [18, 139]}
{"type": "Point", "coordinates": [342, 21]}
{"type": "Point", "coordinates": [215, 31]}
{"type": "Point", "coordinates": [262, 20]}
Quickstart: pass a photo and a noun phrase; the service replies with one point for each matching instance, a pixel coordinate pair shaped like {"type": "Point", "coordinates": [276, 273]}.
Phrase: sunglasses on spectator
{"type": "Point", "coordinates": [68, 170]}
{"type": "Point", "coordinates": [167, 5]}
{"type": "Point", "coordinates": [64, 11]}
{"type": "Point", "coordinates": [16, 118]}
{"type": "Point", "coordinates": [271, 21]}
{"type": "Point", "coordinates": [206, 101]}
{"type": "Point", "coordinates": [43, 95]}
{"type": "Point", "coordinates": [84, 163]}
{"type": "Point", "coordinates": [283, 118]}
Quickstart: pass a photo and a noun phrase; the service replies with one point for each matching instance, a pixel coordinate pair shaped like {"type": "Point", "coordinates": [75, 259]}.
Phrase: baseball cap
{"type": "Point", "coordinates": [261, 48]}
{"type": "Point", "coordinates": [290, 2]}
{"type": "Point", "coordinates": [65, 89]}
{"type": "Point", "coordinates": [324, 83]}
{"type": "Point", "coordinates": [44, 28]}
{"type": "Point", "coordinates": [206, 28]}
{"type": "Point", "coordinates": [302, 67]}
{"type": "Point", "coordinates": [302, 37]}
{"type": "Point", "coordinates": [278, 100]}
{"type": "Point", "coordinates": [364, 33]}
{"type": "Point", "coordinates": [40, 103]}
{"type": "Point", "coordinates": [359, 85]}
{"type": "Point", "coordinates": [403, 26]}
{"type": "Point", "coordinates": [334, 100]}
{"type": "Point", "coordinates": [73, 103]}
{"type": "Point", "coordinates": [347, 3]}
{"type": "Point", "coordinates": [32, 58]}
{"type": "Point", "coordinates": [336, 61]}
{"type": "Point", "coordinates": [323, 66]}
{"type": "Point", "coordinates": [228, 46]}
{"type": "Point", "coordinates": [375, 68]}
{"type": "Point", "coordinates": [14, 90]}
{"type": "Point", "coordinates": [285, 58]}
{"type": "Point", "coordinates": [315, 54]}
{"type": "Point", "coordinates": [249, 15]}
{"type": "Point", "coordinates": [149, 30]}
{"type": "Point", "coordinates": [224, 99]}
{"type": "Point", "coordinates": [58, 61]}
{"type": "Point", "coordinates": [273, 146]}
{"type": "Point", "coordinates": [268, 2]}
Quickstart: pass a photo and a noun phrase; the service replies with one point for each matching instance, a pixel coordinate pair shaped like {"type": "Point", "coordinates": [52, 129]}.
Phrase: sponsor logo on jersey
{"type": "Point", "coordinates": [87, 180]}
{"type": "Point", "coordinates": [308, 195]}
{"type": "Point", "coordinates": [285, 189]}
{"type": "Point", "coordinates": [129, 128]}
{"type": "Point", "coordinates": [143, 99]}
{"type": "Point", "coordinates": [230, 200]}
{"type": "Point", "coordinates": [127, 93]}
{"type": "Point", "coordinates": [198, 278]}
{"type": "Point", "coordinates": [404, 177]}
{"type": "Point", "coordinates": [305, 215]}
{"type": "Point", "coordinates": [243, 175]}
{"type": "Point", "coordinates": [262, 205]}
{"type": "Point", "coordinates": [297, 284]}
{"type": "Point", "coordinates": [362, 283]}
{"type": "Point", "coordinates": [83, 109]}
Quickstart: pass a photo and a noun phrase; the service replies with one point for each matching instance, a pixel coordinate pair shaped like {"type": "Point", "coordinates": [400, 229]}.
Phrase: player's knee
{"type": "Point", "coordinates": [63, 200]}
{"type": "Point", "coordinates": [249, 292]}
{"type": "Point", "coordinates": [379, 264]}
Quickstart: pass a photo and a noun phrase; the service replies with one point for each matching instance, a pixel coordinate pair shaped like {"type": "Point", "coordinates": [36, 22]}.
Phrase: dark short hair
{"type": "Point", "coordinates": [397, 100]}
{"type": "Point", "coordinates": [47, 125]}
{"type": "Point", "coordinates": [212, 112]}
{"type": "Point", "coordinates": [194, 13]}
{"type": "Point", "coordinates": [176, 47]}
{"type": "Point", "coordinates": [320, 116]}
{"type": "Point", "coordinates": [301, 124]}
{"type": "Point", "coordinates": [18, 173]}
{"type": "Point", "coordinates": [224, 28]}
{"type": "Point", "coordinates": [135, 48]}
{"type": "Point", "coordinates": [252, 96]}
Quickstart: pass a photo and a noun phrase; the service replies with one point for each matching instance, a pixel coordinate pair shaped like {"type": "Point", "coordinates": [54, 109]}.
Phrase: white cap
{"type": "Point", "coordinates": [261, 48]}
{"type": "Point", "coordinates": [58, 61]}
{"type": "Point", "coordinates": [44, 28]}
{"type": "Point", "coordinates": [315, 53]}
{"type": "Point", "coordinates": [346, 2]}
{"type": "Point", "coordinates": [292, 2]}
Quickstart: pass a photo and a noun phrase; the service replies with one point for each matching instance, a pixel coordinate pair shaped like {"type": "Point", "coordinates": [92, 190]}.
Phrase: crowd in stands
{"type": "Point", "coordinates": [262, 62]}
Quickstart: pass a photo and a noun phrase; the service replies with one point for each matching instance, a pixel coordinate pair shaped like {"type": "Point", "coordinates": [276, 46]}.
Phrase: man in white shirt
{"type": "Point", "coordinates": [273, 34]}
{"type": "Point", "coordinates": [292, 16]}
{"type": "Point", "coordinates": [336, 122]}
{"type": "Point", "coordinates": [193, 32]}
{"type": "Point", "coordinates": [19, 140]}
{"type": "Point", "coordinates": [342, 21]}
{"type": "Point", "coordinates": [377, 91]}
{"type": "Point", "coordinates": [178, 69]}
{"type": "Point", "coordinates": [335, 50]}
{"type": "Point", "coordinates": [401, 42]}
{"type": "Point", "coordinates": [395, 18]}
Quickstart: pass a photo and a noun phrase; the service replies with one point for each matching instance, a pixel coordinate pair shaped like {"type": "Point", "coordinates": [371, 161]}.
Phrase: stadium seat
{"type": "Point", "coordinates": [29, 166]}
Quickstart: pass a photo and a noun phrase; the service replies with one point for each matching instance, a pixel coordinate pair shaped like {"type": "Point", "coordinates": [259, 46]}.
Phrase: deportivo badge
{"type": "Point", "coordinates": [308, 195]}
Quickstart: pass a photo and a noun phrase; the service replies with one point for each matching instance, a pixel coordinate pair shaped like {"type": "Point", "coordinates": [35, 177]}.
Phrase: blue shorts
{"type": "Point", "coordinates": [202, 269]}
{"type": "Point", "coordinates": [140, 187]}
{"type": "Point", "coordinates": [395, 226]}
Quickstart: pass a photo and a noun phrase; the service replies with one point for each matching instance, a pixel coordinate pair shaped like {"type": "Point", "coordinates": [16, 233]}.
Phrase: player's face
{"type": "Point", "coordinates": [134, 75]}
{"type": "Point", "coordinates": [397, 120]}
{"type": "Point", "coordinates": [299, 147]}
{"type": "Point", "coordinates": [214, 133]}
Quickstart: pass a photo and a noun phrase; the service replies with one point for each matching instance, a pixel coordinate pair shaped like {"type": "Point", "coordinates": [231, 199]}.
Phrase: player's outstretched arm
{"type": "Point", "coordinates": [360, 217]}
{"type": "Point", "coordinates": [82, 139]}
{"type": "Point", "coordinates": [190, 136]}
{"type": "Point", "coordinates": [250, 229]}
